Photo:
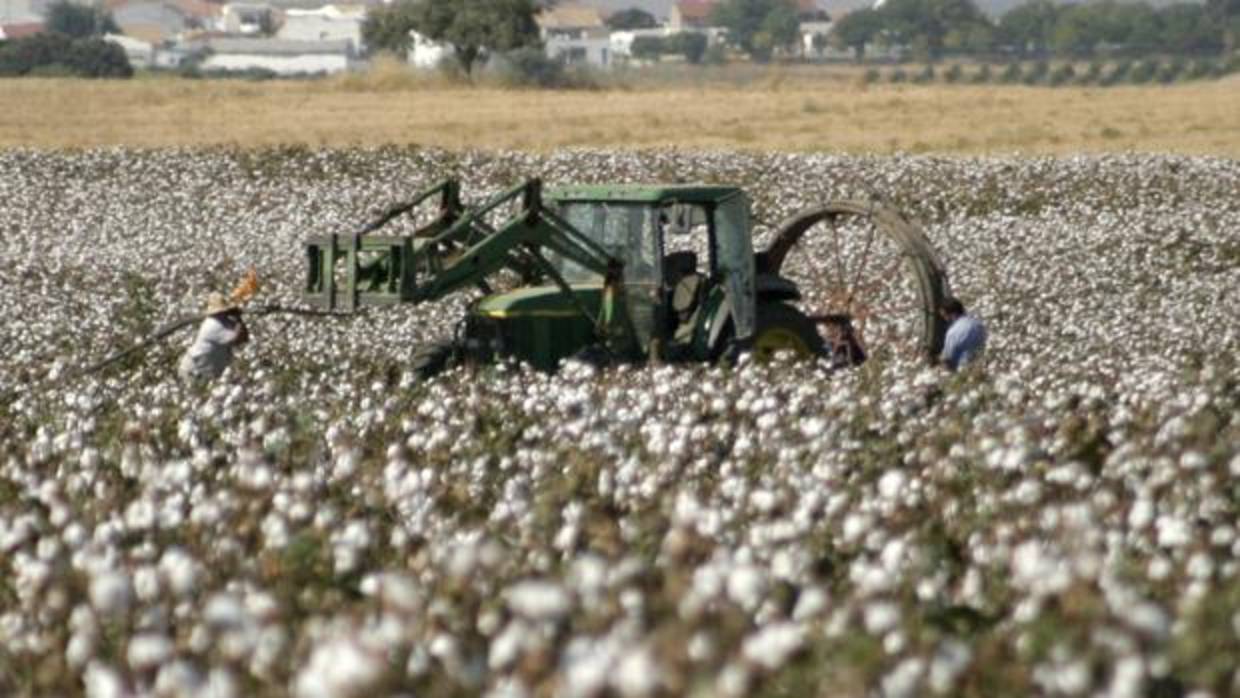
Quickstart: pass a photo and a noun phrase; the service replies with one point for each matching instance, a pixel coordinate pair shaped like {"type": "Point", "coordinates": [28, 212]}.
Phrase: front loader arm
{"type": "Point", "coordinates": [365, 269]}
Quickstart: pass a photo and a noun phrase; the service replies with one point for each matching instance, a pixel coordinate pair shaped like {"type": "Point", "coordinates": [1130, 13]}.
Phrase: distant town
{"type": "Point", "coordinates": [308, 37]}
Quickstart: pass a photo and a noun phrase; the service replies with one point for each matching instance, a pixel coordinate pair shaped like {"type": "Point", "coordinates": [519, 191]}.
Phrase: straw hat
{"type": "Point", "coordinates": [219, 303]}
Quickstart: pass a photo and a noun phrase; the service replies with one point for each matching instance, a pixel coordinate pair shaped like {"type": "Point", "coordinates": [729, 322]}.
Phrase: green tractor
{"type": "Point", "coordinates": [636, 273]}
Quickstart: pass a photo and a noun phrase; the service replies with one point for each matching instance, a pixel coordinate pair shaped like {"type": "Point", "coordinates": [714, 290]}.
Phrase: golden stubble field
{"type": "Point", "coordinates": [830, 115]}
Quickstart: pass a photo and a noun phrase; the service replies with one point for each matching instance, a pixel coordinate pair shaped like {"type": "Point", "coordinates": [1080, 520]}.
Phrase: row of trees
{"type": "Point", "coordinates": [72, 45]}
{"type": "Point", "coordinates": [57, 55]}
{"type": "Point", "coordinates": [473, 27]}
{"type": "Point", "coordinates": [1038, 28]}
{"type": "Point", "coordinates": [1099, 73]}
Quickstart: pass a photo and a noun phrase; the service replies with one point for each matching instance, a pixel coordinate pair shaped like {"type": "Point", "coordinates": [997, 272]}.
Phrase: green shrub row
{"type": "Point", "coordinates": [57, 55]}
{"type": "Point", "coordinates": [1133, 72]}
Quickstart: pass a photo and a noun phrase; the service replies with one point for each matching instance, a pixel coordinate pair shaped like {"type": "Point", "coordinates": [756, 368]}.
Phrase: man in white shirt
{"type": "Point", "coordinates": [220, 333]}
{"type": "Point", "coordinates": [966, 336]}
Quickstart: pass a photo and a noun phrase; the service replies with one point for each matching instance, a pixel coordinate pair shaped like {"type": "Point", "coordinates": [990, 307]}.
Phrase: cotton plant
{"type": "Point", "coordinates": [317, 522]}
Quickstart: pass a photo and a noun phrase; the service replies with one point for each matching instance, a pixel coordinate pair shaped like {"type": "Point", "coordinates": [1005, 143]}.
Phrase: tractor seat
{"type": "Point", "coordinates": [685, 286]}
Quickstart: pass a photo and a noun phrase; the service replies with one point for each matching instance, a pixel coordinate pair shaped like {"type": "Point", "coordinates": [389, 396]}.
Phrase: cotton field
{"type": "Point", "coordinates": [1060, 520]}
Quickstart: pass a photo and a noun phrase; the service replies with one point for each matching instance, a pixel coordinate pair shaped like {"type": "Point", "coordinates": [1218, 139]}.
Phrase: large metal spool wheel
{"type": "Point", "coordinates": [867, 263]}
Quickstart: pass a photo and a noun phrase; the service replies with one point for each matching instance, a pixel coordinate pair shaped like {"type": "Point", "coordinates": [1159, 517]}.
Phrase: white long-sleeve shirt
{"type": "Point", "coordinates": [965, 340]}
{"type": "Point", "coordinates": [212, 349]}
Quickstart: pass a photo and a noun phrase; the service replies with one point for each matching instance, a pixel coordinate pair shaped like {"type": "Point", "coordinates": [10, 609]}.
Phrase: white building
{"type": "Point", "coordinates": [280, 56]}
{"type": "Point", "coordinates": [810, 31]}
{"type": "Point", "coordinates": [141, 54]}
{"type": "Point", "coordinates": [622, 41]}
{"type": "Point", "coordinates": [328, 23]}
{"type": "Point", "coordinates": [247, 19]}
{"type": "Point", "coordinates": [427, 53]}
{"type": "Point", "coordinates": [575, 34]}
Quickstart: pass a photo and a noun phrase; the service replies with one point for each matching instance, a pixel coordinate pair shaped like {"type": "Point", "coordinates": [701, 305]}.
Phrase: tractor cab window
{"type": "Point", "coordinates": [686, 231]}
{"type": "Point", "coordinates": [625, 230]}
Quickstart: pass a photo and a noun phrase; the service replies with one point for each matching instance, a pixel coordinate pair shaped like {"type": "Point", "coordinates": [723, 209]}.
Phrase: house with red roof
{"type": "Point", "coordinates": [18, 30]}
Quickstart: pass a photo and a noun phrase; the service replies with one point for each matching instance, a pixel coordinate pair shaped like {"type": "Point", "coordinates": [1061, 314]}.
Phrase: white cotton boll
{"type": "Point", "coordinates": [1223, 536]}
{"type": "Point", "coordinates": [508, 645]}
{"type": "Point", "coordinates": [538, 600]}
{"type": "Point", "coordinates": [1173, 532]}
{"type": "Point", "coordinates": [1128, 678]}
{"type": "Point", "coordinates": [733, 681]}
{"type": "Point", "coordinates": [746, 586]}
{"type": "Point", "coordinates": [80, 649]}
{"type": "Point", "coordinates": [891, 484]}
{"type": "Point", "coordinates": [148, 651]}
{"type": "Point", "coordinates": [146, 583]}
{"type": "Point", "coordinates": [180, 571]}
{"type": "Point", "coordinates": [905, 679]}
{"type": "Point", "coordinates": [880, 616]}
{"type": "Point", "coordinates": [1141, 514]}
{"type": "Point", "coordinates": [102, 681]}
{"type": "Point", "coordinates": [1150, 619]}
{"type": "Point", "coordinates": [1159, 569]}
{"type": "Point", "coordinates": [855, 526]}
{"type": "Point", "coordinates": [701, 647]}
{"type": "Point", "coordinates": [1193, 460]}
{"type": "Point", "coordinates": [811, 603]}
{"type": "Point", "coordinates": [950, 660]}
{"type": "Point", "coordinates": [110, 593]}
{"type": "Point", "coordinates": [178, 678]}
{"type": "Point", "coordinates": [140, 515]}
{"type": "Point", "coordinates": [339, 668]}
{"type": "Point", "coordinates": [221, 684]}
{"type": "Point", "coordinates": [508, 688]}
{"type": "Point", "coordinates": [773, 645]}
{"type": "Point", "coordinates": [636, 674]}
{"type": "Point", "coordinates": [1200, 566]}
{"type": "Point", "coordinates": [224, 611]}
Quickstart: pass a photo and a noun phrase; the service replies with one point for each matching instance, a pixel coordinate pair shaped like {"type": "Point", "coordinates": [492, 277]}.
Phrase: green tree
{"type": "Point", "coordinates": [925, 24]}
{"type": "Point", "coordinates": [387, 27]}
{"type": "Point", "coordinates": [79, 21]}
{"type": "Point", "coordinates": [632, 18]}
{"type": "Point", "coordinates": [1226, 14]}
{"type": "Point", "coordinates": [857, 29]}
{"type": "Point", "coordinates": [472, 27]}
{"type": "Point", "coordinates": [53, 53]}
{"type": "Point", "coordinates": [758, 27]}
{"type": "Point", "coordinates": [691, 45]}
{"type": "Point", "coordinates": [648, 47]}
{"type": "Point", "coordinates": [1188, 29]}
{"type": "Point", "coordinates": [1030, 26]}
{"type": "Point", "coordinates": [1079, 29]}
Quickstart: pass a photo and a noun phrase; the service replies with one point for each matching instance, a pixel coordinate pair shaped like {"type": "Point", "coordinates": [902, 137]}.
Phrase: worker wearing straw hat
{"type": "Point", "coordinates": [221, 331]}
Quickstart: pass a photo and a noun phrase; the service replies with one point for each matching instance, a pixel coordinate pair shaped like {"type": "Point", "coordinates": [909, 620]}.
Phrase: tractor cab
{"type": "Point", "coordinates": [687, 253]}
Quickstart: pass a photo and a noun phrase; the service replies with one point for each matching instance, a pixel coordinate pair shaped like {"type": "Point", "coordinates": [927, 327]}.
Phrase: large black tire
{"type": "Point", "coordinates": [782, 328]}
{"type": "Point", "coordinates": [429, 360]}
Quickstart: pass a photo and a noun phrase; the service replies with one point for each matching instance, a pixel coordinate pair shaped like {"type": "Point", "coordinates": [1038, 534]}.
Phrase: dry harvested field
{"type": "Point", "coordinates": [1061, 520]}
{"type": "Point", "coordinates": [777, 113]}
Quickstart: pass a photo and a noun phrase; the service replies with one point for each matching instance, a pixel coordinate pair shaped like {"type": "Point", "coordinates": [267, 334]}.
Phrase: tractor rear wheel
{"type": "Point", "coordinates": [783, 328]}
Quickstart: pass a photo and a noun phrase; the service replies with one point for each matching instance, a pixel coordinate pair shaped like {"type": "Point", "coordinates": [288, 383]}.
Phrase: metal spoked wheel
{"type": "Point", "coordinates": [866, 263]}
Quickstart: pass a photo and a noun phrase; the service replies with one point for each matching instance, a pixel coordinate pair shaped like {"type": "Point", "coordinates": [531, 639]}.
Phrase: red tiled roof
{"type": "Point", "coordinates": [18, 30]}
{"type": "Point", "coordinates": [695, 10]}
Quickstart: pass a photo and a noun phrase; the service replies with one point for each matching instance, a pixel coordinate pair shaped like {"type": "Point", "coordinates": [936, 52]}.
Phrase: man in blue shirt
{"type": "Point", "coordinates": [966, 336]}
